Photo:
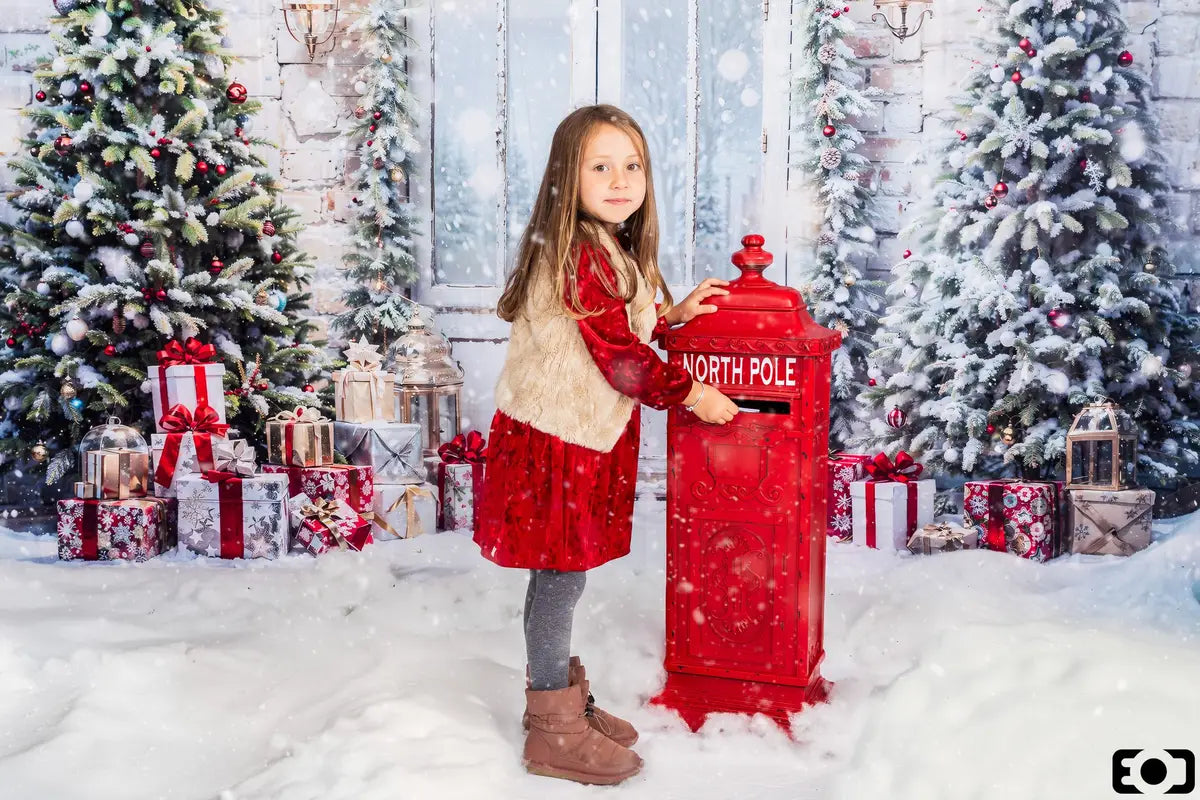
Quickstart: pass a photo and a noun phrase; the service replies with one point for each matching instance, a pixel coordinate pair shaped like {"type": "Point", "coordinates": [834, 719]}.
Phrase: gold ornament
{"type": "Point", "coordinates": [849, 280]}
{"type": "Point", "coordinates": [261, 298]}
{"type": "Point", "coordinates": [118, 324]}
{"type": "Point", "coordinates": [39, 452]}
{"type": "Point", "coordinates": [1150, 267]}
{"type": "Point", "coordinates": [397, 175]}
{"type": "Point", "coordinates": [386, 58]}
{"type": "Point", "coordinates": [1008, 435]}
{"type": "Point", "coordinates": [67, 391]}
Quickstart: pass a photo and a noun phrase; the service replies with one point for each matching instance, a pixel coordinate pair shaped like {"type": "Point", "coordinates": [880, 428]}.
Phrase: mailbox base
{"type": "Point", "coordinates": [694, 697]}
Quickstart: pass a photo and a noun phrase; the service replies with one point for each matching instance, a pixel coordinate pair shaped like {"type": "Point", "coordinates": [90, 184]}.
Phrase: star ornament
{"type": "Point", "coordinates": [364, 354]}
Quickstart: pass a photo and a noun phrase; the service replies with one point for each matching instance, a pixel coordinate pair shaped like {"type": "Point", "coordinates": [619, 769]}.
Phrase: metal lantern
{"type": "Point", "coordinates": [901, 31]}
{"type": "Point", "coordinates": [428, 384]}
{"type": "Point", "coordinates": [313, 18]}
{"type": "Point", "coordinates": [1102, 449]}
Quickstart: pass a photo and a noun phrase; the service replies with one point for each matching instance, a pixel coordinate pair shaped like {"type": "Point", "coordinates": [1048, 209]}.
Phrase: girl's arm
{"type": "Point", "coordinates": [629, 365]}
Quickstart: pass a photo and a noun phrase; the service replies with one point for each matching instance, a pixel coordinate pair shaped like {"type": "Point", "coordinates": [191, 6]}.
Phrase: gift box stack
{"type": "Point", "coordinates": [402, 504]}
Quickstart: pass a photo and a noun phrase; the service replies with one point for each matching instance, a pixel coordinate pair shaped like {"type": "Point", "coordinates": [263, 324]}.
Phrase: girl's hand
{"type": "Point", "coordinates": [693, 305]}
{"type": "Point", "coordinates": [713, 406]}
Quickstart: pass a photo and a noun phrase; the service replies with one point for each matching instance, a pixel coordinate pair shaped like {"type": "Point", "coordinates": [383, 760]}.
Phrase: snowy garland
{"type": "Point", "coordinates": [381, 261]}
{"type": "Point", "coordinates": [827, 94]}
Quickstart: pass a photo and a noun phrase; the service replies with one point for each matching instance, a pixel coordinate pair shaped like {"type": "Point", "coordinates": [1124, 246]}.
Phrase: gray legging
{"type": "Point", "coordinates": [549, 609]}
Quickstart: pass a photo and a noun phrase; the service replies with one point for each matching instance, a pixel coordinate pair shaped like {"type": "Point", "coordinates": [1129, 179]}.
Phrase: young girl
{"type": "Point", "coordinates": [562, 455]}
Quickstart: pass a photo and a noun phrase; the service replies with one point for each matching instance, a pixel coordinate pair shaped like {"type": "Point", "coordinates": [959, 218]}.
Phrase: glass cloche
{"type": "Point", "coordinates": [112, 435]}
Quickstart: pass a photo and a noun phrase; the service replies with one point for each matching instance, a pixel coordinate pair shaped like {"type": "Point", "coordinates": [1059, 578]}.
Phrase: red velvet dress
{"type": "Point", "coordinates": [549, 504]}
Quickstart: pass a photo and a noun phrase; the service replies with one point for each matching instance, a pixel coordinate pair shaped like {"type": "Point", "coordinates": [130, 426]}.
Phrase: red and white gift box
{"type": "Point", "coordinates": [844, 469]}
{"type": "Point", "coordinates": [891, 504]}
{"type": "Point", "coordinates": [187, 447]}
{"type": "Point", "coordinates": [186, 375]}
{"type": "Point", "coordinates": [459, 480]}
{"type": "Point", "coordinates": [322, 525]}
{"type": "Point", "coordinates": [352, 484]}
{"type": "Point", "coordinates": [108, 530]}
{"type": "Point", "coordinates": [1024, 518]}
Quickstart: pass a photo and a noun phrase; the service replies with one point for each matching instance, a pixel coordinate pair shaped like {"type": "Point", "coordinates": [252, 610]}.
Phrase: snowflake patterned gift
{"type": "Point", "coordinates": [322, 525]}
{"type": "Point", "coordinates": [391, 449]}
{"type": "Point", "coordinates": [226, 515]}
{"type": "Point", "coordinates": [1109, 523]}
{"type": "Point", "coordinates": [844, 469]}
{"type": "Point", "coordinates": [354, 485]}
{"type": "Point", "coordinates": [107, 530]}
{"type": "Point", "coordinates": [1020, 517]}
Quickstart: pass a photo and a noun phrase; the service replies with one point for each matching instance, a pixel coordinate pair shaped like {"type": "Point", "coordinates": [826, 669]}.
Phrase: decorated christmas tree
{"type": "Point", "coordinates": [143, 213]}
{"type": "Point", "coordinates": [1038, 278]}
{"type": "Point", "coordinates": [380, 261]}
{"type": "Point", "coordinates": [829, 95]}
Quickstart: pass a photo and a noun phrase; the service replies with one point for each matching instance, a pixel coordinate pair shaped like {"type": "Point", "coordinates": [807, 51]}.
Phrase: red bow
{"type": "Point", "coordinates": [219, 476]}
{"type": "Point", "coordinates": [906, 468]}
{"type": "Point", "coordinates": [191, 351]}
{"type": "Point", "coordinates": [180, 420]}
{"type": "Point", "coordinates": [464, 449]}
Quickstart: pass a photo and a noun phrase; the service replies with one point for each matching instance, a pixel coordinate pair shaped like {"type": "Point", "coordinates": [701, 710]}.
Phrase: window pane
{"type": "Point", "coordinates": [654, 91]}
{"type": "Point", "coordinates": [729, 168]}
{"type": "Point", "coordinates": [539, 96]}
{"type": "Point", "coordinates": [466, 176]}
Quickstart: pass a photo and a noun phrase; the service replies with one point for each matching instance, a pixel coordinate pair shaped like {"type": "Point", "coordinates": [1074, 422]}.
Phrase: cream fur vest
{"type": "Point", "coordinates": [549, 379]}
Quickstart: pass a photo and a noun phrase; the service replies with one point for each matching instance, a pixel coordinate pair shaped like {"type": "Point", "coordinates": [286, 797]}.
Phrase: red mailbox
{"type": "Point", "coordinates": [746, 505]}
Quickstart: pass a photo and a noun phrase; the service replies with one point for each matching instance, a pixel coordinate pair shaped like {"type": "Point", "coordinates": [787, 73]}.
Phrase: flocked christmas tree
{"type": "Point", "coordinates": [380, 263]}
{"type": "Point", "coordinates": [143, 213]}
{"type": "Point", "coordinates": [828, 90]}
{"type": "Point", "coordinates": [1038, 279]}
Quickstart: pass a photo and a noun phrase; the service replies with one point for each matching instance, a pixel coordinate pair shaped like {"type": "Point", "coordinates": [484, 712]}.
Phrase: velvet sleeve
{"type": "Point", "coordinates": [629, 365]}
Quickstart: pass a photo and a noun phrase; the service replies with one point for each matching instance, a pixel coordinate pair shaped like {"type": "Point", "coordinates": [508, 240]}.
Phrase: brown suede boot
{"type": "Point", "coordinates": [561, 744]}
{"type": "Point", "coordinates": [611, 726]}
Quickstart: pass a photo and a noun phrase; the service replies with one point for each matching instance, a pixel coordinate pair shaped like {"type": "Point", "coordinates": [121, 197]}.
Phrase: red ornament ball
{"type": "Point", "coordinates": [828, 131]}
{"type": "Point", "coordinates": [1125, 58]}
{"type": "Point", "coordinates": [276, 257]}
{"type": "Point", "coordinates": [907, 254]}
{"type": "Point", "coordinates": [84, 86]}
{"type": "Point", "coordinates": [870, 381]}
{"type": "Point", "coordinates": [11, 342]}
{"type": "Point", "coordinates": [377, 115]}
{"type": "Point", "coordinates": [991, 428]}
{"type": "Point", "coordinates": [202, 166]}
{"type": "Point", "coordinates": [161, 294]}
{"type": "Point", "coordinates": [1016, 77]}
{"type": "Point", "coordinates": [1083, 163]}
{"type": "Point", "coordinates": [990, 201]}
{"type": "Point", "coordinates": [155, 152]}
{"type": "Point", "coordinates": [308, 387]}
{"type": "Point", "coordinates": [846, 9]}
{"type": "Point", "coordinates": [262, 386]}
{"type": "Point", "coordinates": [148, 48]}
{"type": "Point", "coordinates": [1085, 96]}
{"type": "Point", "coordinates": [836, 13]}
{"type": "Point", "coordinates": [1031, 52]}
{"type": "Point", "coordinates": [245, 140]}
{"type": "Point", "coordinates": [1023, 44]}
{"type": "Point", "coordinates": [147, 249]}
{"type": "Point", "coordinates": [268, 228]}
{"type": "Point", "coordinates": [896, 418]}
{"type": "Point", "coordinates": [237, 93]}
{"type": "Point", "coordinates": [40, 96]}
{"type": "Point", "coordinates": [62, 144]}
{"type": "Point", "coordinates": [370, 142]}
{"type": "Point", "coordinates": [110, 350]}
{"type": "Point", "coordinates": [1000, 189]}
{"type": "Point", "coordinates": [372, 128]}
{"type": "Point", "coordinates": [221, 169]}
{"type": "Point", "coordinates": [217, 264]}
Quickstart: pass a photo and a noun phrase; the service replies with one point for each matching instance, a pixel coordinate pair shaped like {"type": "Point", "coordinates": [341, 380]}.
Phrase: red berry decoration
{"type": "Point", "coordinates": [221, 169]}
{"type": "Point", "coordinates": [836, 13]}
{"type": "Point", "coordinates": [1031, 52]}
{"type": "Point", "coordinates": [110, 350]}
{"type": "Point", "coordinates": [377, 115]}
{"type": "Point", "coordinates": [236, 93]}
{"type": "Point", "coordinates": [308, 387]}
{"type": "Point", "coordinates": [148, 48]}
{"type": "Point", "coordinates": [1083, 163]}
{"type": "Point", "coordinates": [846, 9]}
{"type": "Point", "coordinates": [1000, 189]}
{"type": "Point", "coordinates": [370, 142]}
{"type": "Point", "coordinates": [1016, 77]}
{"type": "Point", "coordinates": [40, 96]}
{"type": "Point", "coordinates": [202, 166]}
{"type": "Point", "coordinates": [1023, 44]}
{"type": "Point", "coordinates": [828, 131]}
{"type": "Point", "coordinates": [896, 418]}
{"type": "Point", "coordinates": [268, 228]}
{"type": "Point", "coordinates": [1085, 96]}
{"type": "Point", "coordinates": [991, 428]}
{"type": "Point", "coordinates": [372, 128]}
{"type": "Point", "coordinates": [11, 342]}
{"type": "Point", "coordinates": [161, 294]}
{"type": "Point", "coordinates": [1125, 58]}
{"type": "Point", "coordinates": [907, 254]}
{"type": "Point", "coordinates": [155, 153]}
{"type": "Point", "coordinates": [246, 140]}
{"type": "Point", "coordinates": [276, 257]}
{"type": "Point", "coordinates": [990, 201]}
{"type": "Point", "coordinates": [147, 249]}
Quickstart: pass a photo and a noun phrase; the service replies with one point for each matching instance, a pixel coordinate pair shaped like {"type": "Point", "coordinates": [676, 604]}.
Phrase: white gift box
{"type": "Point", "coordinates": [187, 464]}
{"type": "Point", "coordinates": [891, 524]}
{"type": "Point", "coordinates": [187, 384]}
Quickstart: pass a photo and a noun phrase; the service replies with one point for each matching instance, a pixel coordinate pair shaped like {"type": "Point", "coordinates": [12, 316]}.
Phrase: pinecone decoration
{"type": "Point", "coordinates": [831, 158]}
{"type": "Point", "coordinates": [118, 324]}
{"type": "Point", "coordinates": [832, 89]}
{"type": "Point", "coordinates": [826, 239]}
{"type": "Point", "coordinates": [826, 53]}
{"type": "Point", "coordinates": [261, 298]}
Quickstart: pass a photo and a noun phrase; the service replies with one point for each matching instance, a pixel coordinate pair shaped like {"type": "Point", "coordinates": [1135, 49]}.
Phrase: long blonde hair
{"type": "Point", "coordinates": [558, 224]}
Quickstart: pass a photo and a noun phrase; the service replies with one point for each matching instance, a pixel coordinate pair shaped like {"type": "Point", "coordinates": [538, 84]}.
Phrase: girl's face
{"type": "Point", "coordinates": [612, 183]}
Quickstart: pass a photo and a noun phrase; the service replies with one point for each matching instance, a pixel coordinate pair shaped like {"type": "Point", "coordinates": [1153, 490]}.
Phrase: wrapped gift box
{"type": "Point", "coordinates": [106, 530]}
{"type": "Point", "coordinates": [363, 392]}
{"type": "Point", "coordinates": [942, 537]}
{"type": "Point", "coordinates": [1109, 523]}
{"type": "Point", "coordinates": [351, 484]}
{"type": "Point", "coordinates": [180, 454]}
{"type": "Point", "coordinates": [234, 517]}
{"type": "Point", "coordinates": [844, 469]}
{"type": "Point", "coordinates": [186, 375]}
{"type": "Point", "coordinates": [404, 511]}
{"type": "Point", "coordinates": [886, 513]}
{"type": "Point", "coordinates": [322, 525]}
{"type": "Point", "coordinates": [459, 480]}
{"type": "Point", "coordinates": [391, 449]}
{"type": "Point", "coordinates": [1021, 517]}
{"type": "Point", "coordinates": [118, 473]}
{"type": "Point", "coordinates": [300, 438]}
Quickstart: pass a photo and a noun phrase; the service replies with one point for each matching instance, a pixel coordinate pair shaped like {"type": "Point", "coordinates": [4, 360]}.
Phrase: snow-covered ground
{"type": "Point", "coordinates": [398, 673]}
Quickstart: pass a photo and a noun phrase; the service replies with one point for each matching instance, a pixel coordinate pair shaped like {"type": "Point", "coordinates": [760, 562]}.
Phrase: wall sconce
{"type": "Point", "coordinates": [901, 31]}
{"type": "Point", "coordinates": [311, 17]}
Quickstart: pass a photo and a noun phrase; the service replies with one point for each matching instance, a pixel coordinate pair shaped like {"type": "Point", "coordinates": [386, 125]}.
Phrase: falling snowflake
{"type": "Point", "coordinates": [1018, 128]}
{"type": "Point", "coordinates": [1095, 175]}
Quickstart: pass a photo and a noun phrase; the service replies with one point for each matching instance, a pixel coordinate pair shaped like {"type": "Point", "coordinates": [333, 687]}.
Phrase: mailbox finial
{"type": "Point", "coordinates": [752, 259]}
